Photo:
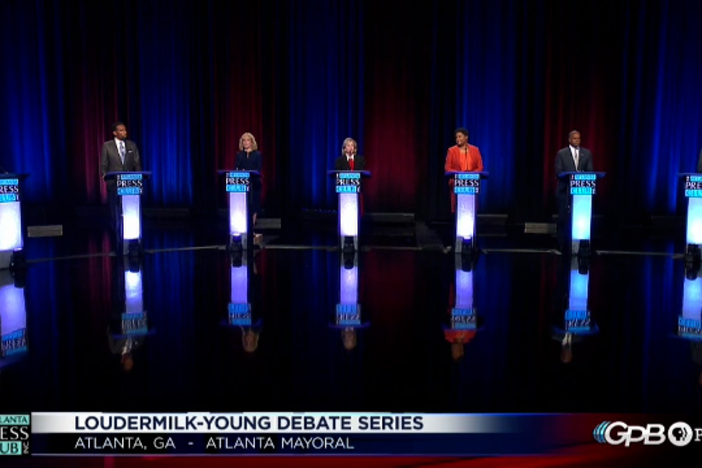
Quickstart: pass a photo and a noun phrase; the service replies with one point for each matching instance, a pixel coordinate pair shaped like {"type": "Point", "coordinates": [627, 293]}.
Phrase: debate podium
{"type": "Point", "coordinates": [581, 188]}
{"type": "Point", "coordinates": [347, 316]}
{"type": "Point", "coordinates": [463, 312]}
{"type": "Point", "coordinates": [238, 189]}
{"type": "Point", "coordinates": [693, 237]}
{"type": "Point", "coordinates": [466, 185]}
{"type": "Point", "coordinates": [11, 238]}
{"type": "Point", "coordinates": [13, 320]}
{"type": "Point", "coordinates": [243, 308]}
{"type": "Point", "coordinates": [348, 187]}
{"type": "Point", "coordinates": [573, 322]}
{"type": "Point", "coordinates": [690, 321]}
{"type": "Point", "coordinates": [128, 189]}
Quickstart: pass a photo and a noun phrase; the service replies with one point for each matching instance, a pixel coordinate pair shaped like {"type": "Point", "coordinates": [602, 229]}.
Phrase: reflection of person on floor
{"type": "Point", "coordinates": [349, 338]}
{"type": "Point", "coordinates": [124, 347]}
{"type": "Point", "coordinates": [567, 348]}
{"type": "Point", "coordinates": [249, 338]}
{"type": "Point", "coordinates": [458, 339]}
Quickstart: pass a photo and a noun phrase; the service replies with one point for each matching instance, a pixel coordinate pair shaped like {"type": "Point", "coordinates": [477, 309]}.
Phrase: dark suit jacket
{"type": "Point", "coordinates": [341, 164]}
{"type": "Point", "coordinates": [565, 163]}
{"type": "Point", "coordinates": [110, 160]}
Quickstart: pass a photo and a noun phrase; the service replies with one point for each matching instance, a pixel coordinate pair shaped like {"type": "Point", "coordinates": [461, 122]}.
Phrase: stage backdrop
{"type": "Point", "coordinates": [188, 78]}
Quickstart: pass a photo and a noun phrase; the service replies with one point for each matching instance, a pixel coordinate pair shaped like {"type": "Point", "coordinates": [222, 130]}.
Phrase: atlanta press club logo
{"type": "Point", "coordinates": [620, 433]}
{"type": "Point", "coordinates": [14, 434]}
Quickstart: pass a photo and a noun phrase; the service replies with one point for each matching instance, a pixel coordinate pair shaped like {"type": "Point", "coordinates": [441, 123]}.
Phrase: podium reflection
{"type": "Point", "coordinates": [241, 301]}
{"type": "Point", "coordinates": [13, 320]}
{"type": "Point", "coordinates": [348, 316]}
{"type": "Point", "coordinates": [690, 322]}
{"type": "Point", "coordinates": [574, 323]}
{"type": "Point", "coordinates": [129, 324]}
{"type": "Point", "coordinates": [463, 322]}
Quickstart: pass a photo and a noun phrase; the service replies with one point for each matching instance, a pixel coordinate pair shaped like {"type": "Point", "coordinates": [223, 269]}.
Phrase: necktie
{"type": "Point", "coordinates": [121, 151]}
{"type": "Point", "coordinates": [576, 158]}
{"type": "Point", "coordinates": [351, 163]}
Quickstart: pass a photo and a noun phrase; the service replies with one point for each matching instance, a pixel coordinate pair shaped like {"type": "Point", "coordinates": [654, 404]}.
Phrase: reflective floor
{"type": "Point", "coordinates": [397, 327]}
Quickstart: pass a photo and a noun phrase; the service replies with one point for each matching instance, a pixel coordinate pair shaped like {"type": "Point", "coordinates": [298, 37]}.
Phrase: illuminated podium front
{"type": "Point", "coordinates": [13, 320]}
{"type": "Point", "coordinates": [466, 186]}
{"type": "Point", "coordinates": [581, 188]}
{"type": "Point", "coordinates": [693, 193]}
{"type": "Point", "coordinates": [238, 189]}
{"type": "Point", "coordinates": [463, 312]}
{"type": "Point", "coordinates": [129, 187]}
{"type": "Point", "coordinates": [11, 239]}
{"type": "Point", "coordinates": [348, 187]}
{"type": "Point", "coordinates": [690, 322]}
{"type": "Point", "coordinates": [347, 315]}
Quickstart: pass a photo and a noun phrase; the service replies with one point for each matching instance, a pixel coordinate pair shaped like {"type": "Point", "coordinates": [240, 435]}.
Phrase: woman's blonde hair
{"type": "Point", "coordinates": [254, 145]}
{"type": "Point", "coordinates": [349, 140]}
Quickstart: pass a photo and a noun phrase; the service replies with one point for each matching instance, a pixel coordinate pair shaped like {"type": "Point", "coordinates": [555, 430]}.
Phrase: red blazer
{"type": "Point", "coordinates": [458, 160]}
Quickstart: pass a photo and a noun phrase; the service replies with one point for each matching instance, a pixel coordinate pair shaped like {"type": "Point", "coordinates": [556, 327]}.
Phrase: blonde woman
{"type": "Point", "coordinates": [349, 160]}
{"type": "Point", "coordinates": [249, 159]}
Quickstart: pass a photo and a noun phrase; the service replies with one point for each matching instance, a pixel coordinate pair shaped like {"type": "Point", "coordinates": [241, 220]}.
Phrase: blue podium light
{"type": "Point", "coordinates": [463, 322]}
{"type": "Point", "coordinates": [135, 323]}
{"type": "Point", "coordinates": [348, 309]}
{"type": "Point", "coordinates": [692, 298]}
{"type": "Point", "coordinates": [582, 214]}
{"type": "Point", "coordinates": [238, 188]}
{"type": "Point", "coordinates": [578, 293]}
{"type": "Point", "coordinates": [237, 182]}
{"type": "Point", "coordinates": [239, 308]}
{"type": "Point", "coordinates": [131, 217]}
{"type": "Point", "coordinates": [135, 176]}
{"type": "Point", "coordinates": [348, 215]}
{"type": "Point", "coordinates": [9, 191]}
{"type": "Point", "coordinates": [349, 175]}
{"type": "Point", "coordinates": [240, 314]}
{"type": "Point", "coordinates": [465, 190]}
{"type": "Point", "coordinates": [10, 225]}
{"type": "Point", "coordinates": [465, 217]}
{"type": "Point", "coordinates": [347, 189]}
{"type": "Point", "coordinates": [577, 321]}
{"type": "Point", "coordinates": [690, 328]}
{"type": "Point", "coordinates": [582, 191]}
{"type": "Point", "coordinates": [348, 286]}
{"type": "Point", "coordinates": [694, 221]}
{"type": "Point", "coordinates": [13, 317]}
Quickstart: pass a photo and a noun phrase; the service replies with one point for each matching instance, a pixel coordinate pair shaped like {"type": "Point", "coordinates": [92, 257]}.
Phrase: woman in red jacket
{"type": "Point", "coordinates": [463, 158]}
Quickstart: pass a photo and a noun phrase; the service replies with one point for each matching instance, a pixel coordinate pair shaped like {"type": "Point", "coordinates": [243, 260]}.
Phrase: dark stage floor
{"type": "Point", "coordinates": [543, 337]}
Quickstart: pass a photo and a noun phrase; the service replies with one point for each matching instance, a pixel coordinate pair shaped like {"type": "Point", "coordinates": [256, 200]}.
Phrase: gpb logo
{"type": "Point", "coordinates": [599, 431]}
{"type": "Point", "coordinates": [618, 433]}
{"type": "Point", "coordinates": [680, 434]}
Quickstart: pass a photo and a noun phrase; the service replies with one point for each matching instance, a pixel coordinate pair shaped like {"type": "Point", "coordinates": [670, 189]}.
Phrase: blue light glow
{"type": "Point", "coordinates": [582, 216]}
{"type": "Point", "coordinates": [694, 221]}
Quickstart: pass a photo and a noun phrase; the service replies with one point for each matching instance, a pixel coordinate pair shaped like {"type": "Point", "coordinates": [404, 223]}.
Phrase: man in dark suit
{"type": "Point", "coordinates": [349, 160]}
{"type": "Point", "coordinates": [118, 155]}
{"type": "Point", "coordinates": [570, 159]}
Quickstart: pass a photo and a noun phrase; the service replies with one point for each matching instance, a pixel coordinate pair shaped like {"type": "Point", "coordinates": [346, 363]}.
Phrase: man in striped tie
{"type": "Point", "coordinates": [572, 158]}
